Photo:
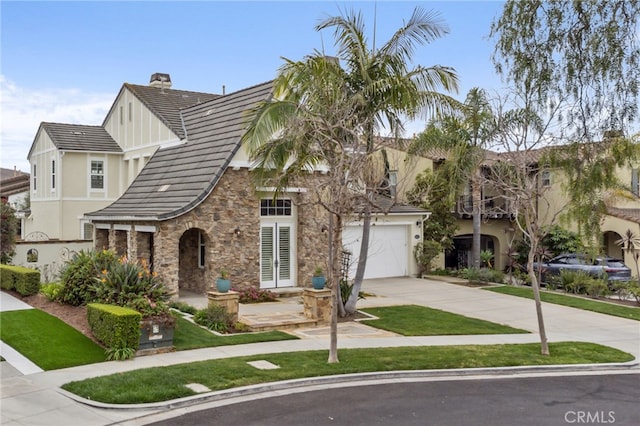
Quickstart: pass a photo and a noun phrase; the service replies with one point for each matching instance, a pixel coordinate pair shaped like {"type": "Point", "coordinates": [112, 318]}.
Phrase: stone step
{"type": "Point", "coordinates": [287, 292]}
{"type": "Point", "coordinates": [275, 322]}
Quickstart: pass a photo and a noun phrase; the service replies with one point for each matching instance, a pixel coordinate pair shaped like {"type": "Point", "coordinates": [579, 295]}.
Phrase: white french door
{"type": "Point", "coordinates": [276, 254]}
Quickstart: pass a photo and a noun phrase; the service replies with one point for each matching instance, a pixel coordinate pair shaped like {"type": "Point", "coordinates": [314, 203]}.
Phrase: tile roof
{"type": "Point", "coordinates": [79, 137]}
{"type": "Point", "coordinates": [15, 184]}
{"type": "Point", "coordinates": [177, 179]}
{"type": "Point", "coordinates": [632, 215]}
{"type": "Point", "coordinates": [167, 103]}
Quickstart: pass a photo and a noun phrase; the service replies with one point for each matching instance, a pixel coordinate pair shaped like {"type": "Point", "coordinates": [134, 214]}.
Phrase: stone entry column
{"type": "Point", "coordinates": [228, 300]}
{"type": "Point", "coordinates": [317, 304]}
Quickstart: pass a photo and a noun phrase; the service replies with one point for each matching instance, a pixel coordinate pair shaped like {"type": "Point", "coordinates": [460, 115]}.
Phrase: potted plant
{"type": "Point", "coordinates": [223, 283]}
{"type": "Point", "coordinates": [318, 280]}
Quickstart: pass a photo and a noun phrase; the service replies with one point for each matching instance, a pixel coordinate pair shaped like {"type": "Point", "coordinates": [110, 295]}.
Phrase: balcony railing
{"type": "Point", "coordinates": [490, 207]}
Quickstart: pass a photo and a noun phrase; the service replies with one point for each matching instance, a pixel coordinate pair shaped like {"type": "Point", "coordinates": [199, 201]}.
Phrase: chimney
{"type": "Point", "coordinates": [160, 80]}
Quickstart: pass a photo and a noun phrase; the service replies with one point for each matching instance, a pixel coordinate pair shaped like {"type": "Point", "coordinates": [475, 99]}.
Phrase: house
{"type": "Point", "coordinates": [499, 231]}
{"type": "Point", "coordinates": [14, 189]}
{"type": "Point", "coordinates": [194, 210]}
{"type": "Point", "coordinates": [76, 168]}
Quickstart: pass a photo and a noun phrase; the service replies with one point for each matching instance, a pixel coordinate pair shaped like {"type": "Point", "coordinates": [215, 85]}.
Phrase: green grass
{"type": "Point", "coordinates": [628, 312]}
{"type": "Point", "coordinates": [413, 320]}
{"type": "Point", "coordinates": [47, 341]}
{"type": "Point", "coordinates": [165, 383]}
{"type": "Point", "coordinates": [191, 336]}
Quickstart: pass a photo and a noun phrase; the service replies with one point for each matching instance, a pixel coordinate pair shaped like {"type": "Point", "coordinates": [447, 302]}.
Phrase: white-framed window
{"type": "Point", "coordinates": [545, 178]}
{"type": "Point", "coordinates": [87, 231]}
{"type": "Point", "coordinates": [201, 250]}
{"type": "Point", "coordinates": [34, 177]}
{"type": "Point", "coordinates": [271, 207]}
{"type": "Point", "coordinates": [393, 182]}
{"type": "Point", "coordinates": [53, 175]}
{"type": "Point", "coordinates": [97, 174]}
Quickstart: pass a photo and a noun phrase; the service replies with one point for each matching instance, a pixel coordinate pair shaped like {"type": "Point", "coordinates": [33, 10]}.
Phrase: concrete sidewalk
{"type": "Point", "coordinates": [35, 398]}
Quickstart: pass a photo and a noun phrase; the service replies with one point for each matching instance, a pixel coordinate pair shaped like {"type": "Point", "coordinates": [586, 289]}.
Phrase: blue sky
{"type": "Point", "coordinates": [66, 61]}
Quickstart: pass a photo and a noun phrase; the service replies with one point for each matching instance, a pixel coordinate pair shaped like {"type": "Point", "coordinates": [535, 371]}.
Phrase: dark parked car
{"type": "Point", "coordinates": [614, 269]}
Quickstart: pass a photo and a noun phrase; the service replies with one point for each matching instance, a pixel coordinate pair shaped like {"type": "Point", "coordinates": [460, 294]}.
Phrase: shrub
{"type": "Point", "coordinates": [574, 281]}
{"type": "Point", "coordinates": [215, 317]}
{"type": "Point", "coordinates": [253, 295]}
{"type": "Point", "coordinates": [116, 327]}
{"type": "Point", "coordinates": [131, 284]}
{"type": "Point", "coordinates": [425, 252]}
{"type": "Point", "coordinates": [596, 287]}
{"type": "Point", "coordinates": [183, 307]}
{"type": "Point", "coordinates": [553, 282]}
{"type": "Point", "coordinates": [51, 291]}
{"type": "Point", "coordinates": [25, 281]}
{"type": "Point", "coordinates": [482, 275]}
{"type": "Point", "coordinates": [79, 275]}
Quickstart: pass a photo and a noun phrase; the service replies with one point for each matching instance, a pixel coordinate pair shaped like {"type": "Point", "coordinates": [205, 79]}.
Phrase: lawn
{"type": "Point", "coordinates": [47, 341]}
{"type": "Point", "coordinates": [413, 320]}
{"type": "Point", "coordinates": [165, 383]}
{"type": "Point", "coordinates": [607, 308]}
{"type": "Point", "coordinates": [191, 336]}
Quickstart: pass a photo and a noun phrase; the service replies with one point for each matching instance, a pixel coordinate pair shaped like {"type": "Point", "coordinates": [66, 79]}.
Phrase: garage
{"type": "Point", "coordinates": [388, 250]}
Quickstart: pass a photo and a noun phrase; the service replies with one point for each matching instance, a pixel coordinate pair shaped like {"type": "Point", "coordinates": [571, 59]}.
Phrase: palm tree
{"type": "Point", "coordinates": [464, 135]}
{"type": "Point", "coordinates": [389, 90]}
{"type": "Point", "coordinates": [322, 112]}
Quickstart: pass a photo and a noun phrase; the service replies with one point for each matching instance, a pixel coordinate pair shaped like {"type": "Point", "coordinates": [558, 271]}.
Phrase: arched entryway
{"type": "Point", "coordinates": [193, 273]}
{"type": "Point", "coordinates": [460, 256]}
{"type": "Point", "coordinates": [611, 248]}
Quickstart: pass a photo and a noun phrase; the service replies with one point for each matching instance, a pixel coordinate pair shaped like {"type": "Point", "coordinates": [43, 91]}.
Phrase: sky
{"type": "Point", "coordinates": [65, 62]}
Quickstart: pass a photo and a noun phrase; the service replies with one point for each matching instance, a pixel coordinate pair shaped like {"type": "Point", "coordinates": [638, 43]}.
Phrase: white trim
{"type": "Point", "coordinates": [121, 227]}
{"type": "Point", "coordinates": [171, 143]}
{"type": "Point", "coordinates": [113, 218]}
{"type": "Point", "coordinates": [287, 189]}
{"type": "Point", "coordinates": [145, 228]}
{"type": "Point", "coordinates": [240, 164]}
{"type": "Point", "coordinates": [101, 200]}
{"type": "Point", "coordinates": [103, 226]}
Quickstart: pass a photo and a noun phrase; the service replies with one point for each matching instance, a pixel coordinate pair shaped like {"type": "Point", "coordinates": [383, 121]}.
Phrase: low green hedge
{"type": "Point", "coordinates": [114, 326]}
{"type": "Point", "coordinates": [25, 281]}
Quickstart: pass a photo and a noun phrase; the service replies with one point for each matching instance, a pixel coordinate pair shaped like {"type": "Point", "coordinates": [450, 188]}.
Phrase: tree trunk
{"type": "Point", "coordinates": [544, 346]}
{"type": "Point", "coordinates": [476, 202]}
{"type": "Point", "coordinates": [335, 240]}
{"type": "Point", "coordinates": [350, 306]}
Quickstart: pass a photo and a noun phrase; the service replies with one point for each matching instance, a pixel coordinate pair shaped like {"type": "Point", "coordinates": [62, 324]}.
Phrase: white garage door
{"type": "Point", "coordinates": [388, 253]}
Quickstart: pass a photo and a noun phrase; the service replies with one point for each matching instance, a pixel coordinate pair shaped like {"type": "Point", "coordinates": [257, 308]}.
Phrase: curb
{"type": "Point", "coordinates": [355, 379]}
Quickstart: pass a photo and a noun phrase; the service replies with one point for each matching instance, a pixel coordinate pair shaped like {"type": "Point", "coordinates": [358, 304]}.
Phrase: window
{"type": "Point", "coordinates": [635, 186]}
{"type": "Point", "coordinates": [201, 250]}
{"type": "Point", "coordinates": [53, 174]}
{"type": "Point", "coordinates": [121, 114]}
{"type": "Point", "coordinates": [130, 112]}
{"type": "Point", "coordinates": [393, 182]}
{"type": "Point", "coordinates": [546, 178]}
{"type": "Point", "coordinates": [34, 176]}
{"type": "Point", "coordinates": [97, 174]}
{"type": "Point", "coordinates": [270, 207]}
{"type": "Point", "coordinates": [87, 231]}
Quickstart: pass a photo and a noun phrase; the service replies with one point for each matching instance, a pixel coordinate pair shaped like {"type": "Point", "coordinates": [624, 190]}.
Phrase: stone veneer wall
{"type": "Point", "coordinates": [235, 204]}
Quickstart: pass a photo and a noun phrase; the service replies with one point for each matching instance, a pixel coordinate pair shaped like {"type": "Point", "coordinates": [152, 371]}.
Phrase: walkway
{"type": "Point", "coordinates": [35, 398]}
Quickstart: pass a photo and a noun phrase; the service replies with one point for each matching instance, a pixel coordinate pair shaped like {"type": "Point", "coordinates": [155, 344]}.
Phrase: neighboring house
{"type": "Point", "coordinates": [194, 209]}
{"type": "Point", "coordinates": [499, 230]}
{"type": "Point", "coordinates": [76, 168]}
{"type": "Point", "coordinates": [14, 189]}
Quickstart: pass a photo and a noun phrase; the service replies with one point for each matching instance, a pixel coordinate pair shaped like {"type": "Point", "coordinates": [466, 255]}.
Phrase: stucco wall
{"type": "Point", "coordinates": [51, 256]}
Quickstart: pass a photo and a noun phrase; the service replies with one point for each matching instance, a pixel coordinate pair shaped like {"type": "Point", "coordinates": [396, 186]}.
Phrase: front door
{"type": "Point", "coordinates": [276, 254]}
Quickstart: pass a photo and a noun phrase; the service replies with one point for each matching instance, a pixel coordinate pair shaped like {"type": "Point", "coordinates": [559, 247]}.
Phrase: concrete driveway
{"type": "Point", "coordinates": [561, 323]}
